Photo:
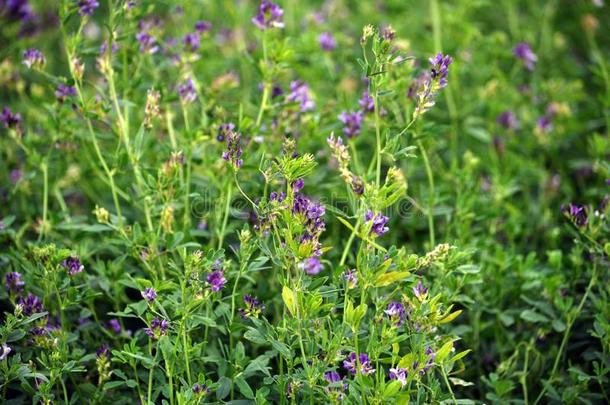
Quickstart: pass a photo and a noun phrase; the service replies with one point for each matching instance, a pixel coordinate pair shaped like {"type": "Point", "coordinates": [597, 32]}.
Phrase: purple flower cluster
{"type": "Point", "coordinates": [18, 11]}
{"type": "Point", "coordinates": [378, 223]}
{"type": "Point", "coordinates": [87, 7]}
{"type": "Point", "coordinates": [9, 119]}
{"type": "Point", "coordinates": [149, 294]}
{"type": "Point", "coordinates": [352, 123]}
{"type": "Point", "coordinates": [234, 151]}
{"type": "Point", "coordinates": [114, 325]}
{"type": "Point", "coordinates": [5, 350]}
{"type": "Point", "coordinates": [440, 68]}
{"type": "Point", "coordinates": [361, 365]}
{"type": "Point", "coordinates": [299, 93]}
{"type": "Point", "coordinates": [253, 307]}
{"type": "Point", "coordinates": [187, 91]}
{"type": "Point", "coordinates": [351, 278]}
{"type": "Point", "coordinates": [203, 26]}
{"type": "Point", "coordinates": [431, 356]}
{"type": "Point", "coordinates": [366, 103]}
{"type": "Point", "coordinates": [311, 265]}
{"type": "Point", "coordinates": [30, 305]}
{"type": "Point", "coordinates": [63, 92]}
{"type": "Point", "coordinates": [216, 280]}
{"type": "Point", "coordinates": [148, 43]}
{"type": "Point", "coordinates": [269, 15]}
{"type": "Point", "coordinates": [192, 41]}
{"type": "Point", "coordinates": [200, 389]}
{"type": "Point", "coordinates": [399, 374]}
{"type": "Point", "coordinates": [508, 120]}
{"type": "Point", "coordinates": [577, 214]}
{"type": "Point", "coordinates": [435, 80]}
{"type": "Point", "coordinates": [224, 130]}
{"type": "Point", "coordinates": [396, 312]}
{"type": "Point", "coordinates": [327, 41]}
{"type": "Point", "coordinates": [33, 58]}
{"type": "Point", "coordinates": [336, 385]}
{"type": "Point", "coordinates": [313, 213]}
{"type": "Point", "coordinates": [13, 282]}
{"type": "Point", "coordinates": [73, 265]}
{"type": "Point", "coordinates": [524, 52]}
{"type": "Point", "coordinates": [103, 351]}
{"type": "Point", "coordinates": [420, 291]}
{"type": "Point", "coordinates": [158, 327]}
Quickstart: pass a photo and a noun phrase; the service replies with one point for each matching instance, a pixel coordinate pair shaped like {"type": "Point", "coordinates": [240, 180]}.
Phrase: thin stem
{"type": "Point", "coordinates": [226, 215]}
{"type": "Point", "coordinates": [431, 191]}
{"type": "Point", "coordinates": [45, 198]}
{"type": "Point", "coordinates": [377, 137]}
{"type": "Point", "coordinates": [448, 385]}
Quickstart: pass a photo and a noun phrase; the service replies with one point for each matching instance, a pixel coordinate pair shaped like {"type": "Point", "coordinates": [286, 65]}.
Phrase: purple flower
{"type": "Point", "coordinates": [224, 130]}
{"type": "Point", "coordinates": [362, 366]}
{"type": "Point", "coordinates": [312, 213]}
{"type": "Point", "coordinates": [158, 327]}
{"type": "Point", "coordinates": [4, 351]}
{"type": "Point", "coordinates": [16, 175]}
{"type": "Point", "coordinates": [420, 291]}
{"type": "Point", "coordinates": [73, 265]}
{"type": "Point", "coordinates": [13, 282]}
{"type": "Point", "coordinates": [508, 120]}
{"type": "Point", "coordinates": [30, 304]}
{"type": "Point", "coordinates": [148, 43]}
{"type": "Point", "coordinates": [269, 16]}
{"type": "Point", "coordinates": [33, 58]}
{"type": "Point", "coordinates": [203, 26]}
{"type": "Point", "coordinates": [367, 103]}
{"type": "Point", "coordinates": [312, 266]}
{"type": "Point", "coordinates": [440, 68]}
{"type": "Point", "coordinates": [577, 214]}
{"type": "Point", "coordinates": [332, 377]}
{"type": "Point", "coordinates": [191, 42]}
{"type": "Point", "coordinates": [17, 10]}
{"type": "Point", "coordinates": [351, 278]}
{"type": "Point", "coordinates": [544, 123]}
{"type": "Point", "coordinates": [524, 52]}
{"type": "Point", "coordinates": [299, 93]}
{"type": "Point", "coordinates": [298, 185]}
{"type": "Point", "coordinates": [63, 92]}
{"type": "Point", "coordinates": [104, 47]}
{"type": "Point", "coordinates": [379, 222]}
{"type": "Point", "coordinates": [336, 385]}
{"type": "Point", "coordinates": [430, 362]}
{"type": "Point", "coordinates": [352, 123]}
{"type": "Point", "coordinates": [216, 280]}
{"type": "Point", "coordinates": [8, 119]}
{"type": "Point", "coordinates": [399, 374]}
{"type": "Point", "coordinates": [327, 41]}
{"type": "Point", "coordinates": [200, 389]}
{"type": "Point", "coordinates": [115, 325]}
{"type": "Point", "coordinates": [396, 312]}
{"type": "Point", "coordinates": [149, 294]}
{"type": "Point", "coordinates": [103, 351]}
{"type": "Point", "coordinates": [234, 151]}
{"type": "Point", "coordinates": [187, 91]}
{"type": "Point", "coordinates": [87, 7]}
{"type": "Point", "coordinates": [253, 307]}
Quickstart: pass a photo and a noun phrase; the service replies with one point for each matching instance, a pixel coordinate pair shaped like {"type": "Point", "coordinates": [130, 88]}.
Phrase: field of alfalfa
{"type": "Point", "coordinates": [289, 201]}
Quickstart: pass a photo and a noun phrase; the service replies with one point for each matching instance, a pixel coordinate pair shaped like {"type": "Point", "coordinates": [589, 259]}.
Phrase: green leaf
{"type": "Point", "coordinates": [387, 279]}
{"type": "Point", "coordinates": [244, 388]}
{"type": "Point", "coordinates": [224, 387]}
{"type": "Point", "coordinates": [533, 316]}
{"type": "Point", "coordinates": [290, 299]}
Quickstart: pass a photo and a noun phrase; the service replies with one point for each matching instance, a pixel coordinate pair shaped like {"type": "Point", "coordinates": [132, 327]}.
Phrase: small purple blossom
{"type": "Point", "coordinates": [63, 92]}
{"type": "Point", "coordinates": [312, 212]}
{"type": "Point", "coordinates": [440, 68]}
{"type": "Point", "coordinates": [434, 81]}
{"type": "Point", "coordinates": [420, 291]}
{"type": "Point", "coordinates": [13, 282]}
{"type": "Point", "coordinates": [104, 48]}
{"type": "Point", "coordinates": [31, 304]}
{"type": "Point", "coordinates": [103, 351]}
{"type": "Point", "coordinates": [379, 222]}
{"type": "Point", "coordinates": [269, 16]}
{"type": "Point", "coordinates": [544, 124]}
{"type": "Point", "coordinates": [253, 307]}
{"type": "Point", "coordinates": [360, 366]}
{"type": "Point", "coordinates": [352, 123]}
{"type": "Point", "coordinates": [367, 103]}
{"type": "Point", "coordinates": [203, 26]}
{"type": "Point", "coordinates": [311, 266]}
{"type": "Point", "coordinates": [73, 265]}
{"type": "Point", "coordinates": [351, 278]}
{"type": "Point", "coordinates": [10, 120]}
{"type": "Point", "coordinates": [508, 120]}
{"type": "Point", "coordinates": [148, 43]}
{"type": "Point", "coordinates": [149, 294]}
{"type": "Point", "coordinates": [327, 41]}
{"type": "Point", "coordinates": [114, 325]}
{"type": "Point", "coordinates": [431, 355]}
{"type": "Point", "coordinates": [234, 151]}
{"type": "Point", "coordinates": [191, 42]}
{"type": "Point", "coordinates": [216, 280]}
{"type": "Point", "coordinates": [33, 58]}
{"type": "Point", "coordinates": [187, 91]}
{"type": "Point", "coordinates": [200, 389]}
{"type": "Point", "coordinates": [87, 7]}
{"type": "Point", "coordinates": [224, 130]}
{"type": "Point", "coordinates": [158, 327]}
{"type": "Point", "coordinates": [396, 312]}
{"type": "Point", "coordinates": [16, 175]}
{"type": "Point", "coordinates": [299, 93]}
{"type": "Point", "coordinates": [577, 214]}
{"type": "Point", "coordinates": [399, 374]}
{"type": "Point", "coordinates": [4, 351]}
{"type": "Point", "coordinates": [336, 385]}
{"type": "Point", "coordinates": [524, 52]}
{"type": "Point", "coordinates": [298, 185]}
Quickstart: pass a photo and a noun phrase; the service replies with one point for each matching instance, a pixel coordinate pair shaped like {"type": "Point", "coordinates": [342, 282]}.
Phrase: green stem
{"type": "Point", "coordinates": [45, 198]}
{"type": "Point", "coordinates": [447, 383]}
{"type": "Point", "coordinates": [431, 191]}
{"type": "Point", "coordinates": [226, 215]}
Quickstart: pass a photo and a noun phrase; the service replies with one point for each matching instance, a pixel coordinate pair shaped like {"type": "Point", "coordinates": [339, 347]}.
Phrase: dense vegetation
{"type": "Point", "coordinates": [381, 201]}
